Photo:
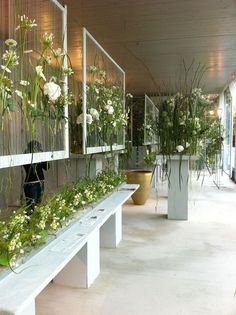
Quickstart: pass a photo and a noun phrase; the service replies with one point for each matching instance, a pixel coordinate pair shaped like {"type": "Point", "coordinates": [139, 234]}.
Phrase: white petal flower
{"type": "Point", "coordinates": [92, 69]}
{"type": "Point", "coordinates": [28, 51]}
{"type": "Point", "coordinates": [109, 102]}
{"type": "Point", "coordinates": [129, 95]}
{"type": "Point", "coordinates": [180, 148]}
{"type": "Point", "coordinates": [94, 113]}
{"type": "Point", "coordinates": [11, 42]}
{"type": "Point", "coordinates": [187, 145]}
{"type": "Point", "coordinates": [57, 52]}
{"type": "Point", "coordinates": [68, 71]}
{"type": "Point", "coordinates": [19, 93]}
{"type": "Point", "coordinates": [89, 119]}
{"type": "Point", "coordinates": [39, 71]}
{"type": "Point", "coordinates": [109, 109]}
{"type": "Point", "coordinates": [52, 90]}
{"type": "Point", "coordinates": [31, 104]}
{"type": "Point", "coordinates": [5, 69]}
{"type": "Point", "coordinates": [24, 83]}
{"type": "Point", "coordinates": [80, 119]}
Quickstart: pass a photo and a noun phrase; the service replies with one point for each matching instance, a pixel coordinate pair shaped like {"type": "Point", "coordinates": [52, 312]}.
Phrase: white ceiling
{"type": "Point", "coordinates": [150, 38]}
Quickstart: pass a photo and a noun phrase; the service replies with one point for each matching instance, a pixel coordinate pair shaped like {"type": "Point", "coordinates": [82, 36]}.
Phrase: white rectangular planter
{"type": "Point", "coordinates": [73, 258]}
{"type": "Point", "coordinates": [178, 172]}
{"type": "Point", "coordinates": [178, 177]}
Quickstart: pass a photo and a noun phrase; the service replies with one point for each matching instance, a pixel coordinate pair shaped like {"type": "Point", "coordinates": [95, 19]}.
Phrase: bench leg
{"type": "Point", "coordinates": [111, 231]}
{"type": "Point", "coordinates": [84, 268]}
{"type": "Point", "coordinates": [28, 309]}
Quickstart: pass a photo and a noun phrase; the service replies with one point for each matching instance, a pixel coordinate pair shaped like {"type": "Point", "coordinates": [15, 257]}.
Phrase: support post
{"type": "Point", "coordinates": [83, 269]}
{"type": "Point", "coordinates": [111, 231]}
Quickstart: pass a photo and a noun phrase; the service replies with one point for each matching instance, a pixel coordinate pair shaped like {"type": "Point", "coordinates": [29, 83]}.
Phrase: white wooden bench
{"type": "Point", "coordinates": [73, 258]}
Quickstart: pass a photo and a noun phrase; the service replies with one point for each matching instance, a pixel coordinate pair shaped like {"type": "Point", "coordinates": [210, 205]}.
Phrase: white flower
{"type": "Point", "coordinates": [48, 39]}
{"type": "Point", "coordinates": [11, 42]}
{"type": "Point", "coordinates": [94, 113]}
{"type": "Point", "coordinates": [89, 119]}
{"type": "Point", "coordinates": [31, 104]}
{"type": "Point", "coordinates": [52, 90]}
{"type": "Point", "coordinates": [68, 71]}
{"type": "Point", "coordinates": [57, 52]}
{"type": "Point", "coordinates": [180, 148]}
{"type": "Point", "coordinates": [28, 51]}
{"type": "Point", "coordinates": [39, 71]}
{"type": "Point", "coordinates": [187, 145]}
{"type": "Point", "coordinates": [24, 83]}
{"type": "Point", "coordinates": [109, 102]}
{"type": "Point", "coordinates": [93, 69]}
{"type": "Point", "coordinates": [19, 93]}
{"type": "Point", "coordinates": [97, 90]}
{"type": "Point", "coordinates": [80, 119]}
{"type": "Point", "coordinates": [5, 69]}
{"type": "Point", "coordinates": [129, 95]}
{"type": "Point", "coordinates": [109, 109]}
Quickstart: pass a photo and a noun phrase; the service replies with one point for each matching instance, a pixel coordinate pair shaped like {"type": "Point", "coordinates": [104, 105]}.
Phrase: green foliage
{"type": "Point", "coordinates": [150, 158]}
{"type": "Point", "coordinates": [184, 125]}
{"type": "Point", "coordinates": [21, 232]}
{"type": "Point", "coordinates": [32, 81]}
{"type": "Point", "coordinates": [105, 117]}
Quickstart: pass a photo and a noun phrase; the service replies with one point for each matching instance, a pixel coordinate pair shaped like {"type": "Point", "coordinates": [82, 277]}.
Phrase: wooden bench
{"type": "Point", "coordinates": [72, 259]}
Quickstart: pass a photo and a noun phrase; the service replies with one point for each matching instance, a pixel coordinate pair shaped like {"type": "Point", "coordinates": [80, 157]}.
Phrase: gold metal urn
{"type": "Point", "coordinates": [143, 178]}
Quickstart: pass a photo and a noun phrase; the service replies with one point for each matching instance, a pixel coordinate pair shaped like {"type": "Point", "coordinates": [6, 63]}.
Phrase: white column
{"type": "Point", "coordinates": [84, 268]}
{"type": "Point", "coordinates": [116, 162]}
{"type": "Point", "coordinates": [178, 172]}
{"type": "Point", "coordinates": [111, 230]}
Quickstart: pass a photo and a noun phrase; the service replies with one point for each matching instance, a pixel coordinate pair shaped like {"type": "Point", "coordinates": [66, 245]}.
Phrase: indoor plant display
{"type": "Point", "coordinates": [20, 233]}
{"type": "Point", "coordinates": [186, 132]}
{"type": "Point", "coordinates": [105, 115]}
{"type": "Point", "coordinates": [33, 82]}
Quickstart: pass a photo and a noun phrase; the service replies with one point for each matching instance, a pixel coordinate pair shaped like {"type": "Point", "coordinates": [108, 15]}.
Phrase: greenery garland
{"type": "Point", "coordinates": [21, 232]}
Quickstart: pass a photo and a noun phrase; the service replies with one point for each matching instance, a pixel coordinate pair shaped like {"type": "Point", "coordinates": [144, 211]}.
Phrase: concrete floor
{"type": "Point", "coordinates": [163, 267]}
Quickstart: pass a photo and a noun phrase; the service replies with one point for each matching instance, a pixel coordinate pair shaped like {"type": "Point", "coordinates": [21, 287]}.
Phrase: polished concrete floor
{"type": "Point", "coordinates": [163, 267]}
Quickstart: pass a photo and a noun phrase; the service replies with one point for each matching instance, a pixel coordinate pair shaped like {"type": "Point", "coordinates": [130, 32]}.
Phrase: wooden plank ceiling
{"type": "Point", "coordinates": [150, 38]}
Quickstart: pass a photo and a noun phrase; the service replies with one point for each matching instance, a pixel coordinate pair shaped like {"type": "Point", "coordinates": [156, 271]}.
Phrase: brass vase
{"type": "Point", "coordinates": [143, 178]}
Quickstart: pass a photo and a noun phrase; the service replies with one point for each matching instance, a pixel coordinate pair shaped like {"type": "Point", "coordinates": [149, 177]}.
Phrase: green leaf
{"type": "Point", "coordinates": [44, 233]}
{"type": "Point", "coordinates": [12, 105]}
{"type": "Point", "coordinates": [4, 260]}
{"type": "Point", "coordinates": [35, 112]}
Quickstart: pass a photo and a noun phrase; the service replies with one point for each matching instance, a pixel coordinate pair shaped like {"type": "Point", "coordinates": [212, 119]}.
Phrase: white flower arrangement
{"type": "Point", "coordinates": [52, 90]}
{"type": "Point", "coordinates": [109, 109]}
{"type": "Point", "coordinates": [179, 148]}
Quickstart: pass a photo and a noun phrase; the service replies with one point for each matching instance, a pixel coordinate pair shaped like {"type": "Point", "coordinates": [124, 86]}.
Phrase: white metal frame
{"type": "Point", "coordinates": [155, 113]}
{"type": "Point", "coordinates": [28, 158]}
{"type": "Point", "coordinates": [99, 149]}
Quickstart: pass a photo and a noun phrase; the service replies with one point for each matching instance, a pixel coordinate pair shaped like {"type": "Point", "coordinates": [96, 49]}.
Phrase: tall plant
{"type": "Point", "coordinates": [33, 82]}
